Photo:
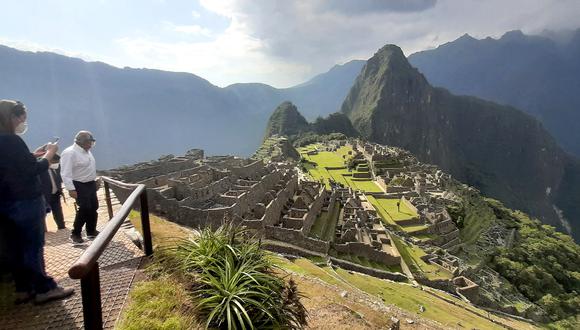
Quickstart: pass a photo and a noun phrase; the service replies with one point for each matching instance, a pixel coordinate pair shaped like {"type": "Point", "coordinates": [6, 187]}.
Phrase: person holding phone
{"type": "Point", "coordinates": [79, 174]}
{"type": "Point", "coordinates": [22, 206]}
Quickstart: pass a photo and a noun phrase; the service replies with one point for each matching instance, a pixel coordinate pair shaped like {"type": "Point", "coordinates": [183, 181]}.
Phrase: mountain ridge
{"type": "Point", "coordinates": [66, 94]}
{"type": "Point", "coordinates": [534, 73]}
{"type": "Point", "coordinates": [499, 149]}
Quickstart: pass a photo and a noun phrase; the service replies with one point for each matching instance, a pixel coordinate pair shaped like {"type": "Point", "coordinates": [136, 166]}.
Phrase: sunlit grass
{"type": "Point", "coordinates": [162, 303]}
{"type": "Point", "coordinates": [412, 254]}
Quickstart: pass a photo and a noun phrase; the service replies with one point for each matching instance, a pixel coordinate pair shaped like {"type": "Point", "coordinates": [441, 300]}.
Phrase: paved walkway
{"type": "Point", "coordinates": [118, 265]}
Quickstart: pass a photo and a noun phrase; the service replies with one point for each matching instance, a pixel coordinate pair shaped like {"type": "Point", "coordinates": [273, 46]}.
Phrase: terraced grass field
{"type": "Point", "coordinates": [333, 165]}
{"type": "Point", "coordinates": [387, 209]}
{"type": "Point", "coordinates": [389, 205]}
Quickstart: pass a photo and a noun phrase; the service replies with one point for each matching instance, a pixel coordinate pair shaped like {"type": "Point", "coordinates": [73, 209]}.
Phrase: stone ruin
{"type": "Point", "coordinates": [361, 232]}
{"type": "Point", "coordinates": [198, 192]}
{"type": "Point", "coordinates": [420, 186]}
{"type": "Point", "coordinates": [466, 288]}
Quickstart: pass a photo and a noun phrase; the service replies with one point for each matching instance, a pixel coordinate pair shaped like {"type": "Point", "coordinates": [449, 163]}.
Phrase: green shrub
{"type": "Point", "coordinates": [235, 287]}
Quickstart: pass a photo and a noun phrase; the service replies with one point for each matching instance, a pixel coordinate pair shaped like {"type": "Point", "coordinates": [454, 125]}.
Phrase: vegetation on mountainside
{"type": "Point", "coordinates": [335, 122]}
{"type": "Point", "coordinates": [536, 74]}
{"type": "Point", "coordinates": [543, 264]}
{"type": "Point", "coordinates": [287, 121]}
{"type": "Point", "coordinates": [311, 137]}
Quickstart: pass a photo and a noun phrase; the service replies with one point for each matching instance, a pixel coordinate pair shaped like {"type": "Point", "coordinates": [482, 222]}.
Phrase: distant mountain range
{"type": "Point", "coordinates": [537, 74]}
{"type": "Point", "coordinates": [136, 114]}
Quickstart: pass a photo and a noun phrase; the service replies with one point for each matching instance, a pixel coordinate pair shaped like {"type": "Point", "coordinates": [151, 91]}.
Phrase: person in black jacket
{"type": "Point", "coordinates": [22, 206]}
{"type": "Point", "coordinates": [52, 190]}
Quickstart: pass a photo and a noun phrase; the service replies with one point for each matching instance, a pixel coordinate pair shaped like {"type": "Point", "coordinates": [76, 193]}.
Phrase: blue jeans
{"type": "Point", "coordinates": [26, 220]}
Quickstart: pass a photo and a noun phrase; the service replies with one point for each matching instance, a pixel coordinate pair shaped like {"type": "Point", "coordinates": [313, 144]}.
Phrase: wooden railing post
{"type": "Point", "coordinates": [147, 244]}
{"type": "Point", "coordinates": [86, 268]}
{"type": "Point", "coordinates": [91, 294]}
{"type": "Point", "coordinates": [108, 200]}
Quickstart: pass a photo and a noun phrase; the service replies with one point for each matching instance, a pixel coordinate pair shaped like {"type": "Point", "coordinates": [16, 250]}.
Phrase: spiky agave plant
{"type": "Point", "coordinates": [236, 285]}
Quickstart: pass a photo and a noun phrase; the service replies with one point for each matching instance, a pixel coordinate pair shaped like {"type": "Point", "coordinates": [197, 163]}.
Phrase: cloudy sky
{"type": "Point", "coordinates": [278, 42]}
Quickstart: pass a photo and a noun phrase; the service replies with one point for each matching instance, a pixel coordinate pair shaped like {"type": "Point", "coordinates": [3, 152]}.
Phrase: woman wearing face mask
{"type": "Point", "coordinates": [22, 206]}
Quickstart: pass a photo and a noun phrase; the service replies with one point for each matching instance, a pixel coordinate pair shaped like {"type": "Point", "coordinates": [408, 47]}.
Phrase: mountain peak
{"type": "Point", "coordinates": [465, 38]}
{"type": "Point", "coordinates": [387, 77]}
{"type": "Point", "coordinates": [390, 54]}
{"type": "Point", "coordinates": [286, 120]}
{"type": "Point", "coordinates": [388, 60]}
{"type": "Point", "coordinates": [513, 35]}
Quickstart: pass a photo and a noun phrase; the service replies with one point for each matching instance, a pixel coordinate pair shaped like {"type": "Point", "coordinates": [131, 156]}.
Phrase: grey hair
{"type": "Point", "coordinates": [84, 136]}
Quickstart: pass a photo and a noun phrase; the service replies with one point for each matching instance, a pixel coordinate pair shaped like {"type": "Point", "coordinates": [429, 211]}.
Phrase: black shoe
{"type": "Point", "coordinates": [76, 238]}
{"type": "Point", "coordinates": [93, 234]}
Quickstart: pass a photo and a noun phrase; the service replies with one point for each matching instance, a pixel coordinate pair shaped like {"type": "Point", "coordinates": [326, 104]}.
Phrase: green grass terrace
{"type": "Point", "coordinates": [326, 165]}
{"type": "Point", "coordinates": [393, 215]}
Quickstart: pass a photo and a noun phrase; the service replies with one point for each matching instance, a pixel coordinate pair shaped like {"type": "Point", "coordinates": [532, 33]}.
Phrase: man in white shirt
{"type": "Point", "coordinates": [79, 174]}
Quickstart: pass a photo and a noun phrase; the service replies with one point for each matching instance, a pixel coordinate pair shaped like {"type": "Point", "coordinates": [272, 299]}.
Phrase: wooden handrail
{"type": "Point", "coordinates": [87, 260]}
{"type": "Point", "coordinates": [86, 268]}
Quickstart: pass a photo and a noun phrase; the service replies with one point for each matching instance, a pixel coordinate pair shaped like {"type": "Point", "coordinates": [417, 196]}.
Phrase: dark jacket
{"type": "Point", "coordinates": [19, 170]}
{"type": "Point", "coordinates": [47, 185]}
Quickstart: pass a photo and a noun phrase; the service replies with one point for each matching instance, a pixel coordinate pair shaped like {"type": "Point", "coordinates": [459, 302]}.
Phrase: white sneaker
{"type": "Point", "coordinates": [54, 294]}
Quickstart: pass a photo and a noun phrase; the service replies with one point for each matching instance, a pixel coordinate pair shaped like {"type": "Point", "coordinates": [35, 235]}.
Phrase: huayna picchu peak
{"type": "Point", "coordinates": [502, 151]}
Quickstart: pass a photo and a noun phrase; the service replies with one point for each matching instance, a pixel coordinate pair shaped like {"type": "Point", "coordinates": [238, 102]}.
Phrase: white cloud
{"type": "Point", "coordinates": [282, 42]}
{"type": "Point", "coordinates": [193, 29]}
{"type": "Point", "coordinates": [321, 33]}
{"type": "Point", "coordinates": [230, 57]}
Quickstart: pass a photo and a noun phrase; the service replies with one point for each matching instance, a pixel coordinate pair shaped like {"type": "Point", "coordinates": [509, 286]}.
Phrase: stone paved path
{"type": "Point", "coordinates": [118, 265]}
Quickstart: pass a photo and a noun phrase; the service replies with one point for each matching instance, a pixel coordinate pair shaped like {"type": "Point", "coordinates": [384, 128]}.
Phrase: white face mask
{"type": "Point", "coordinates": [21, 128]}
{"type": "Point", "coordinates": [54, 166]}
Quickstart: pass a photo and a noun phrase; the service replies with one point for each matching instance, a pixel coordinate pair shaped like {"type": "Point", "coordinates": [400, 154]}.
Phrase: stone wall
{"type": "Point", "coordinates": [444, 227]}
{"type": "Point", "coordinates": [467, 288]}
{"type": "Point", "coordinates": [398, 277]}
{"type": "Point", "coordinates": [146, 170]}
{"type": "Point", "coordinates": [410, 205]}
{"type": "Point", "coordinates": [314, 211]}
{"type": "Point", "coordinates": [297, 238]}
{"type": "Point", "coordinates": [274, 208]}
{"type": "Point", "coordinates": [380, 181]}
{"type": "Point", "coordinates": [397, 189]}
{"type": "Point", "coordinates": [253, 170]}
{"type": "Point", "coordinates": [289, 249]}
{"type": "Point", "coordinates": [367, 251]}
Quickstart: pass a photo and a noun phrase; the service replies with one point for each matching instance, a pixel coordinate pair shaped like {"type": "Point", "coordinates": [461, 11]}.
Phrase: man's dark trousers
{"type": "Point", "coordinates": [56, 209]}
{"type": "Point", "coordinates": [88, 204]}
